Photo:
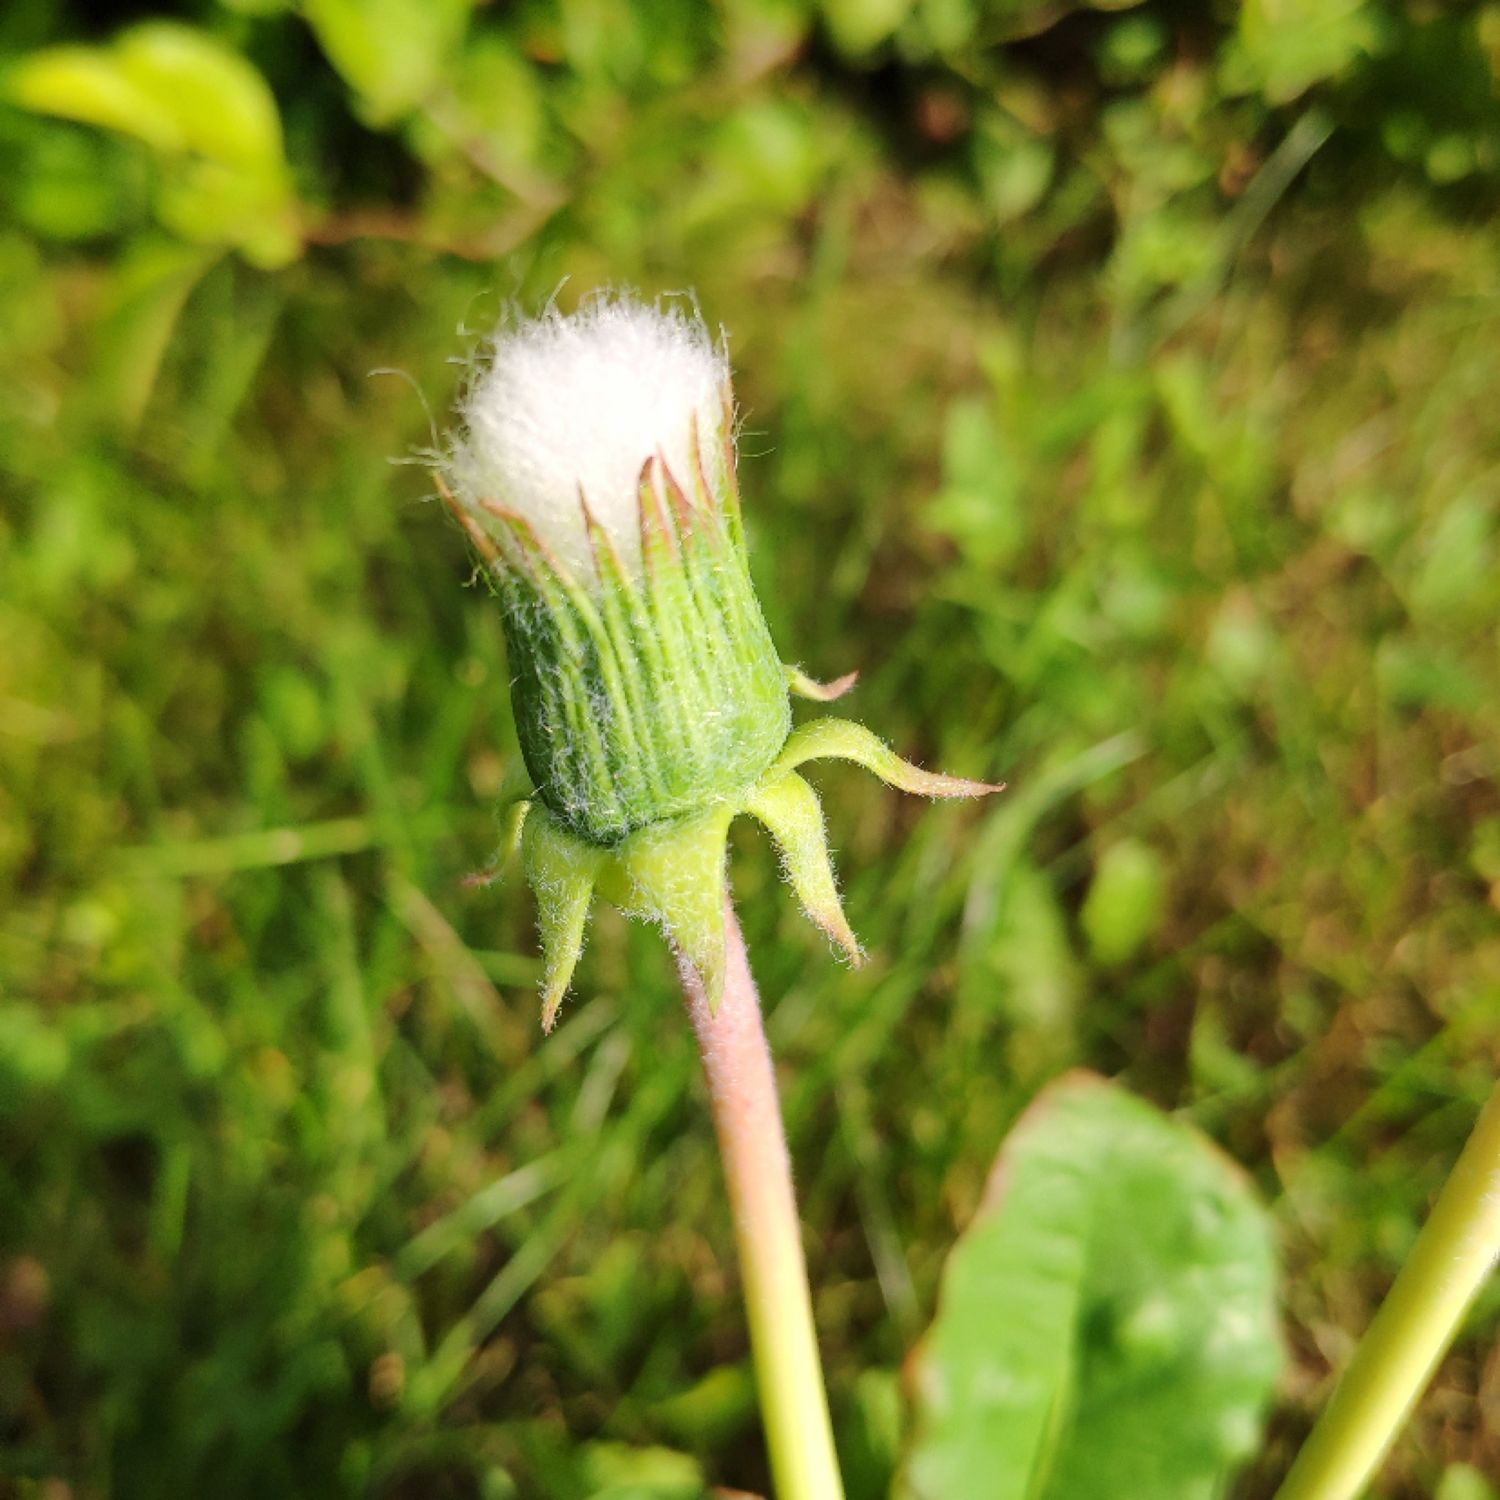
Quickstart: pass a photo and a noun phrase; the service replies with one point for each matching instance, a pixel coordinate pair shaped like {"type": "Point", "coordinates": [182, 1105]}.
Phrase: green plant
{"type": "Point", "coordinates": [1448, 1267]}
{"type": "Point", "coordinates": [1108, 1327]}
{"type": "Point", "coordinates": [595, 476]}
{"type": "Point", "coordinates": [1116, 393]}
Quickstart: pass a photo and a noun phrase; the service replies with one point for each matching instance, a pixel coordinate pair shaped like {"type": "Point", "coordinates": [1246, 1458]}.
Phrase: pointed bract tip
{"type": "Point", "coordinates": [793, 816]}
{"type": "Point", "coordinates": [561, 870]}
{"type": "Point", "coordinates": [935, 784]}
{"type": "Point", "coordinates": [843, 739]}
{"type": "Point", "coordinates": [819, 692]}
{"type": "Point", "coordinates": [552, 999]}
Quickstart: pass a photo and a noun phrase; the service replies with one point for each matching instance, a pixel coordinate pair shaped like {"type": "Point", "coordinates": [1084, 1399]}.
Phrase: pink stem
{"type": "Point", "coordinates": [757, 1170]}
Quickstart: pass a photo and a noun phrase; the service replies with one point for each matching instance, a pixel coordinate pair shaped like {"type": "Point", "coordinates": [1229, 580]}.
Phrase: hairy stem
{"type": "Point", "coordinates": [1397, 1356]}
{"type": "Point", "coordinates": [757, 1170]}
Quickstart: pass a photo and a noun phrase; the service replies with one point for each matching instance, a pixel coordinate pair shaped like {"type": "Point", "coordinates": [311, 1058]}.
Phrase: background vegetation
{"type": "Point", "coordinates": [1120, 386]}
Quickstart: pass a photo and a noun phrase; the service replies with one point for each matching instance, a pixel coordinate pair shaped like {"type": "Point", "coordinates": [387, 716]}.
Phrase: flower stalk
{"type": "Point", "coordinates": [1454, 1255]}
{"type": "Point", "coordinates": [757, 1173]}
{"type": "Point", "coordinates": [594, 476]}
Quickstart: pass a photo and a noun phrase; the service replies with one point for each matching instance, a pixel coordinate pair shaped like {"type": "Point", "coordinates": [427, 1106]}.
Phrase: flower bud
{"type": "Point", "coordinates": [594, 472]}
{"type": "Point", "coordinates": [597, 461]}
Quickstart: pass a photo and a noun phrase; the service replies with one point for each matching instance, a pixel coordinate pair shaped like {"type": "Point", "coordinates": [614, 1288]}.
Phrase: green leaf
{"type": "Point", "coordinates": [1460, 1482]}
{"type": "Point", "coordinates": [616, 1472]}
{"type": "Point", "coordinates": [1287, 46]}
{"type": "Point", "coordinates": [1124, 904]}
{"type": "Point", "coordinates": [89, 85]}
{"type": "Point", "coordinates": [1107, 1325]}
{"type": "Point", "coordinates": [150, 286]}
{"type": "Point", "coordinates": [392, 53]}
{"type": "Point", "coordinates": [220, 104]}
{"type": "Point", "coordinates": [171, 86]}
{"type": "Point", "coordinates": [205, 112]}
{"type": "Point", "coordinates": [859, 26]}
{"type": "Point", "coordinates": [207, 203]}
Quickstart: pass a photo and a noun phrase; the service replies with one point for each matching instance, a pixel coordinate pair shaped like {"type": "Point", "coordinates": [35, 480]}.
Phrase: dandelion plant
{"type": "Point", "coordinates": [594, 472]}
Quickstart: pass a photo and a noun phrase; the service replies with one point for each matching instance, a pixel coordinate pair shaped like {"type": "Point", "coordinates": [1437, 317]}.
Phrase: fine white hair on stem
{"type": "Point", "coordinates": [568, 405]}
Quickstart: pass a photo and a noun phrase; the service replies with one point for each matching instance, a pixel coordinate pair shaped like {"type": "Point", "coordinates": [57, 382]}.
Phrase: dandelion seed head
{"type": "Point", "coordinates": [570, 405]}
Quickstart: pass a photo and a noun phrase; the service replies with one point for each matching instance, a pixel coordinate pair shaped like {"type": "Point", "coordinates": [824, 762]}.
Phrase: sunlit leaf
{"type": "Point", "coordinates": [206, 113]}
{"type": "Point", "coordinates": [89, 85]}
{"type": "Point", "coordinates": [392, 53]}
{"type": "Point", "coordinates": [1107, 1326]}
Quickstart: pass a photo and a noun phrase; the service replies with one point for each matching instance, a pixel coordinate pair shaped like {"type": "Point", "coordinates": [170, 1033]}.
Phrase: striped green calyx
{"type": "Point", "coordinates": [644, 695]}
{"type": "Point", "coordinates": [651, 706]}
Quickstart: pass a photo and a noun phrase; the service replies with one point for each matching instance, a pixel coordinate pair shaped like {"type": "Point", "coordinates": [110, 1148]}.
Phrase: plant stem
{"type": "Point", "coordinates": [757, 1169]}
{"type": "Point", "coordinates": [1454, 1253]}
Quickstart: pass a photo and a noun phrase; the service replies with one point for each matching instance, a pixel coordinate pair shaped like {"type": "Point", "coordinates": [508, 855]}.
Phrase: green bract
{"type": "Point", "coordinates": [651, 705]}
{"type": "Point", "coordinates": [643, 697]}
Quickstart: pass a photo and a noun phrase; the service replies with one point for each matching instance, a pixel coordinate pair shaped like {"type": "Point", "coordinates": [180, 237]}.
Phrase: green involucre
{"type": "Point", "coordinates": [673, 872]}
{"type": "Point", "coordinates": [652, 709]}
{"type": "Point", "coordinates": [646, 698]}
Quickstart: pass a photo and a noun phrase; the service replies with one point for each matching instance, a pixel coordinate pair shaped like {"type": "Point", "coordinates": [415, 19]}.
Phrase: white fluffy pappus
{"type": "Point", "coordinates": [570, 404]}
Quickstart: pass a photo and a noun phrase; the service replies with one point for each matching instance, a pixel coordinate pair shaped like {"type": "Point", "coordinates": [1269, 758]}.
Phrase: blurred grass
{"type": "Point", "coordinates": [1120, 400]}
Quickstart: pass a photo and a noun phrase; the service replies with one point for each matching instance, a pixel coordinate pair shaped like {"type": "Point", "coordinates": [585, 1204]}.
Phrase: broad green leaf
{"type": "Point", "coordinates": [88, 85]}
{"type": "Point", "coordinates": [176, 88]}
{"type": "Point", "coordinates": [1460, 1482]}
{"type": "Point", "coordinates": [221, 104]}
{"type": "Point", "coordinates": [858, 26]}
{"type": "Point", "coordinates": [1287, 46]}
{"type": "Point", "coordinates": [205, 112]}
{"type": "Point", "coordinates": [392, 53]}
{"type": "Point", "coordinates": [207, 203]}
{"type": "Point", "coordinates": [1107, 1326]}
